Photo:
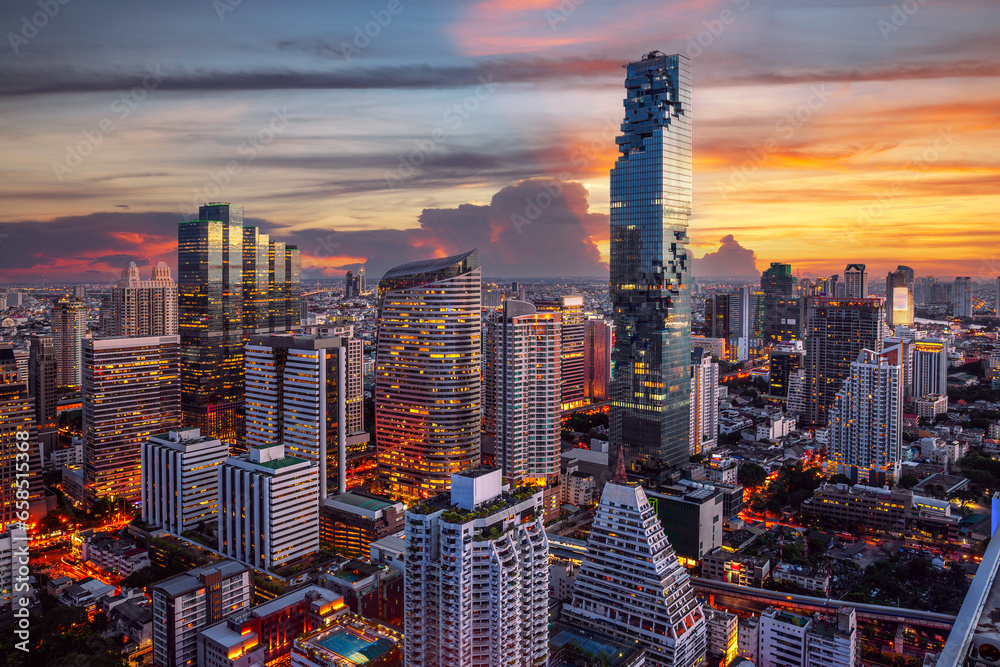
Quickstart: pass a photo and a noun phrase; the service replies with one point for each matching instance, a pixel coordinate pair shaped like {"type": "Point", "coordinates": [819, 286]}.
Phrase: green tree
{"type": "Point", "coordinates": [751, 475]}
{"type": "Point", "coordinates": [908, 481]}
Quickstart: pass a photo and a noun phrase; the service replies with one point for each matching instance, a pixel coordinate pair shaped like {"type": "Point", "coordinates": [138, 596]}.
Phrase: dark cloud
{"type": "Point", "coordinates": [121, 260]}
{"type": "Point", "coordinates": [731, 259]}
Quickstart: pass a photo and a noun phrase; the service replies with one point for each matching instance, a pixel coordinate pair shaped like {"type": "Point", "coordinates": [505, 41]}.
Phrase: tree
{"type": "Point", "coordinates": [751, 475]}
{"type": "Point", "coordinates": [840, 478]}
{"type": "Point", "coordinates": [908, 481]}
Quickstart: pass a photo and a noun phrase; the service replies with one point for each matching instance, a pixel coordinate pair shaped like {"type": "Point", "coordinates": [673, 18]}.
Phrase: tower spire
{"type": "Point", "coordinates": [620, 476]}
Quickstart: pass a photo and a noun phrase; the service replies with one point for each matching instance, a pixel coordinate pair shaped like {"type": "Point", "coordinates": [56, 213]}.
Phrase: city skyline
{"type": "Point", "coordinates": [823, 133]}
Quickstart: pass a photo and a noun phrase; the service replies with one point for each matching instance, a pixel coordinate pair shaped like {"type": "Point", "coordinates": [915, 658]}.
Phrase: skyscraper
{"type": "Point", "coordinates": [42, 374]}
{"type": "Point", "coordinates": [298, 389]}
{"type": "Point", "coordinates": [20, 459]}
{"type": "Point", "coordinates": [930, 367]}
{"type": "Point", "coordinates": [69, 324]}
{"type": "Point", "coordinates": [650, 267]}
{"type": "Point", "coordinates": [139, 307]}
{"type": "Point", "coordinates": [704, 425]}
{"type": "Point", "coordinates": [597, 360]}
{"type": "Point", "coordinates": [427, 374]}
{"type": "Point", "coordinates": [855, 281]}
{"type": "Point", "coordinates": [837, 330]}
{"type": "Point", "coordinates": [784, 364]}
{"type": "Point", "coordinates": [233, 282]}
{"type": "Point", "coordinates": [866, 418]}
{"type": "Point", "coordinates": [899, 297]}
{"type": "Point", "coordinates": [476, 585]}
{"type": "Point", "coordinates": [631, 585]}
{"type": "Point", "coordinates": [746, 324]}
{"type": "Point", "coordinates": [349, 291]}
{"type": "Point", "coordinates": [131, 392]}
{"type": "Point", "coordinates": [962, 304]}
{"type": "Point", "coordinates": [362, 281]}
{"type": "Point", "coordinates": [782, 319]}
{"type": "Point", "coordinates": [268, 508]}
{"type": "Point", "coordinates": [573, 325]}
{"type": "Point", "coordinates": [524, 380]}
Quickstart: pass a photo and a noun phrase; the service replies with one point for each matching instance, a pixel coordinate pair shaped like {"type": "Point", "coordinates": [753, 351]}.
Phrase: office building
{"type": "Point", "coordinates": [781, 304]}
{"type": "Point", "coordinates": [704, 423]}
{"type": "Point", "coordinates": [836, 332]}
{"type": "Point", "coordinates": [20, 456]}
{"type": "Point", "coordinates": [131, 392]}
{"type": "Point", "coordinates": [866, 421]}
{"type": "Point", "coordinates": [962, 303]}
{"type": "Point", "coordinates": [573, 335]}
{"type": "Point", "coordinates": [233, 282]}
{"type": "Point", "coordinates": [691, 517]}
{"type": "Point", "coordinates": [187, 603]}
{"type": "Point", "coordinates": [861, 505]}
{"type": "Point", "coordinates": [524, 379]}
{"type": "Point", "coordinates": [180, 486]}
{"type": "Point", "coordinates": [427, 374]}
{"type": "Point", "coordinates": [597, 360]}
{"type": "Point", "coordinates": [650, 266]}
{"type": "Point", "coordinates": [816, 641]}
{"type": "Point", "coordinates": [899, 297]}
{"type": "Point", "coordinates": [907, 358]}
{"type": "Point", "coordinates": [299, 392]}
{"type": "Point", "coordinates": [350, 286]}
{"type": "Point", "coordinates": [21, 358]}
{"type": "Point", "coordinates": [268, 508]}
{"type": "Point", "coordinates": [350, 522]}
{"type": "Point", "coordinates": [717, 317]}
{"type": "Point", "coordinates": [477, 576]}
{"type": "Point", "coordinates": [631, 585]}
{"type": "Point", "coordinates": [746, 324]}
{"type": "Point", "coordinates": [69, 324]}
{"type": "Point", "coordinates": [930, 367]}
{"type": "Point", "coordinates": [855, 282]}
{"type": "Point", "coordinates": [783, 364]}
{"type": "Point", "coordinates": [43, 373]}
{"type": "Point", "coordinates": [264, 633]}
{"type": "Point", "coordinates": [139, 308]}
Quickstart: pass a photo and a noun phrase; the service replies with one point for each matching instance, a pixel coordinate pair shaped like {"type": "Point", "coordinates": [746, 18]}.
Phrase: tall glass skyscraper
{"type": "Point", "coordinates": [427, 374]}
{"type": "Point", "coordinates": [650, 269]}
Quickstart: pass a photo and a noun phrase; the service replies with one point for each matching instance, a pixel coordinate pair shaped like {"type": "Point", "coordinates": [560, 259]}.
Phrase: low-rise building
{"type": "Point", "coordinates": [86, 593]}
{"type": "Point", "coordinates": [118, 555]}
{"type": "Point", "coordinates": [930, 406]}
{"type": "Point", "coordinates": [372, 591]}
{"type": "Point", "coordinates": [862, 505]}
{"type": "Point", "coordinates": [723, 633]}
{"type": "Point", "coordinates": [389, 551]}
{"type": "Point", "coordinates": [349, 641]}
{"type": "Point", "coordinates": [577, 487]}
{"type": "Point", "coordinates": [748, 638]}
{"type": "Point", "coordinates": [735, 568]}
{"type": "Point", "coordinates": [572, 645]}
{"type": "Point", "coordinates": [350, 522]}
{"type": "Point", "coordinates": [810, 579]}
{"type": "Point", "coordinates": [562, 576]}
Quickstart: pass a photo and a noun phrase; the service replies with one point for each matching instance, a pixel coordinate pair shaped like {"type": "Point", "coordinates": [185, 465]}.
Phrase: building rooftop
{"type": "Point", "coordinates": [190, 581]}
{"type": "Point", "coordinates": [595, 647]}
{"type": "Point", "coordinates": [348, 641]}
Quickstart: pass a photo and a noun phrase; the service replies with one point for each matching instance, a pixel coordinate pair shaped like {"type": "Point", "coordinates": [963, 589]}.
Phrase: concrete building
{"type": "Point", "coordinates": [572, 335]}
{"type": "Point", "coordinates": [812, 641]}
{"type": "Point", "coordinates": [187, 603]}
{"type": "Point", "coordinates": [723, 633]}
{"type": "Point", "coordinates": [860, 505]}
{"type": "Point", "coordinates": [631, 584]}
{"type": "Point", "coordinates": [43, 373]}
{"type": "Point", "coordinates": [179, 472]}
{"type": "Point", "coordinates": [477, 576]}
{"type": "Point", "coordinates": [810, 579]}
{"type": "Point", "coordinates": [372, 591]}
{"type": "Point", "coordinates": [962, 302]}
{"type": "Point", "coordinates": [704, 422]}
{"type": "Point", "coordinates": [855, 281]}
{"type": "Point", "coordinates": [139, 308]}
{"type": "Point", "coordinates": [428, 374]}
{"type": "Point", "coordinates": [268, 508]}
{"type": "Point", "coordinates": [131, 392]}
{"type": "Point", "coordinates": [930, 367]}
{"type": "Point", "coordinates": [12, 542]}
{"type": "Point", "coordinates": [748, 638]}
{"type": "Point", "coordinates": [20, 455]}
{"type": "Point", "coordinates": [351, 522]}
{"type": "Point", "coordinates": [735, 568]}
{"type": "Point", "coordinates": [691, 517]}
{"type": "Point", "coordinates": [69, 324]}
{"type": "Point", "coordinates": [866, 426]}
{"type": "Point", "coordinates": [597, 360]}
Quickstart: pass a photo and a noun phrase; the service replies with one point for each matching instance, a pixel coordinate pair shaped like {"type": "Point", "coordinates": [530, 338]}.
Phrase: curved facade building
{"type": "Point", "coordinates": [427, 374]}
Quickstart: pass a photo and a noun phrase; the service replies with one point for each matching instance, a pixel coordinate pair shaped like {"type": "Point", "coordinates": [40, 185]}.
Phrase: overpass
{"type": "Point", "coordinates": [810, 604]}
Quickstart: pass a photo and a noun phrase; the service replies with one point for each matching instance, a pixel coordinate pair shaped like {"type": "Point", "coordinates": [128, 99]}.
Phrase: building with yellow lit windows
{"type": "Point", "coordinates": [427, 374]}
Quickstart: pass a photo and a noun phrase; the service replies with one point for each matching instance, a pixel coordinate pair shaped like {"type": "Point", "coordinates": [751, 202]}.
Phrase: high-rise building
{"type": "Point", "coordinates": [21, 358]}
{"type": "Point", "coordinates": [704, 423]}
{"type": "Point", "coordinates": [349, 289]}
{"type": "Point", "coordinates": [187, 603]}
{"type": "Point", "coordinates": [836, 332]}
{"type": "Point", "coordinates": [782, 316]}
{"type": "Point", "coordinates": [69, 324]}
{"type": "Point", "coordinates": [717, 316]}
{"type": "Point", "coordinates": [855, 282]}
{"type": "Point", "coordinates": [631, 585]}
{"type": "Point", "coordinates": [20, 457]}
{"type": "Point", "coordinates": [80, 291]}
{"type": "Point", "coordinates": [476, 585]}
{"type": "Point", "coordinates": [131, 392]}
{"type": "Point", "coordinates": [746, 324]}
{"type": "Point", "coordinates": [180, 486]}
{"type": "Point", "coordinates": [427, 374]}
{"type": "Point", "coordinates": [268, 508]}
{"type": "Point", "coordinates": [139, 307]}
{"type": "Point", "coordinates": [996, 298]}
{"type": "Point", "coordinates": [930, 367]}
{"type": "Point", "coordinates": [783, 364]}
{"type": "Point", "coordinates": [297, 394]}
{"type": "Point", "coordinates": [362, 281]}
{"type": "Point", "coordinates": [597, 360]}
{"type": "Point", "coordinates": [42, 375]}
{"type": "Point", "coordinates": [899, 297]}
{"type": "Point", "coordinates": [574, 370]}
{"type": "Point", "coordinates": [524, 380]}
{"type": "Point", "coordinates": [962, 304]}
{"type": "Point", "coordinates": [12, 541]}
{"type": "Point", "coordinates": [650, 266]}
{"type": "Point", "coordinates": [867, 417]}
{"type": "Point", "coordinates": [778, 280]}
{"type": "Point", "coordinates": [233, 282]}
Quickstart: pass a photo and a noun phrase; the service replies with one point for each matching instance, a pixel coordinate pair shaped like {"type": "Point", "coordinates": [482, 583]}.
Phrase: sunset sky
{"type": "Point", "coordinates": [826, 132]}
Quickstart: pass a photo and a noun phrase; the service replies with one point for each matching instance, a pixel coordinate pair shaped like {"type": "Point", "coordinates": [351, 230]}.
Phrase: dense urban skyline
{"type": "Point", "coordinates": [859, 128]}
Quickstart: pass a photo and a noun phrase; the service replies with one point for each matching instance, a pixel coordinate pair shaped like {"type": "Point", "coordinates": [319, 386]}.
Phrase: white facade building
{"type": "Point", "coordinates": [866, 419]}
{"type": "Point", "coordinates": [268, 508]}
{"type": "Point", "coordinates": [816, 641]}
{"type": "Point", "coordinates": [930, 367]}
{"type": "Point", "coordinates": [631, 585]}
{"type": "Point", "coordinates": [477, 576]}
{"type": "Point", "coordinates": [180, 471]}
{"type": "Point", "coordinates": [139, 307]}
{"type": "Point", "coordinates": [10, 542]}
{"type": "Point", "coordinates": [704, 422]}
{"type": "Point", "coordinates": [723, 632]}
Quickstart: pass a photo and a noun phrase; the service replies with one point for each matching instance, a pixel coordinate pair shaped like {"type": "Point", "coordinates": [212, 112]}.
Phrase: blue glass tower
{"type": "Point", "coordinates": [650, 269]}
